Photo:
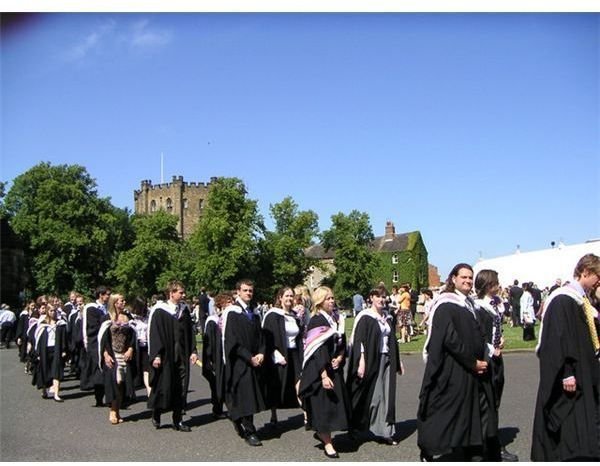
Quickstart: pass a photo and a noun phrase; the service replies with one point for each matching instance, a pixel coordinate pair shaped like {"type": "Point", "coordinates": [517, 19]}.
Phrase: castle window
{"type": "Point", "coordinates": [185, 203]}
{"type": "Point", "coordinates": [169, 204]}
{"type": "Point", "coordinates": [395, 276]}
{"type": "Point", "coordinates": [201, 204]}
{"type": "Point", "coordinates": [153, 206]}
{"type": "Point", "coordinates": [395, 259]}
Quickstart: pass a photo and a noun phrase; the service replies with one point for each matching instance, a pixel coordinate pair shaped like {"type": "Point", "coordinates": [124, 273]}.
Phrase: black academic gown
{"type": "Point", "coordinates": [187, 342]}
{"type": "Point", "coordinates": [109, 375]}
{"type": "Point", "coordinates": [496, 363]}
{"type": "Point", "coordinates": [91, 375]}
{"type": "Point", "coordinates": [21, 332]}
{"type": "Point", "coordinates": [212, 362]}
{"type": "Point", "coordinates": [281, 379]}
{"type": "Point", "coordinates": [50, 363]}
{"type": "Point", "coordinates": [166, 381]}
{"type": "Point", "coordinates": [327, 410]}
{"type": "Point", "coordinates": [244, 384]}
{"type": "Point", "coordinates": [368, 333]}
{"type": "Point", "coordinates": [450, 412]}
{"type": "Point", "coordinates": [566, 426]}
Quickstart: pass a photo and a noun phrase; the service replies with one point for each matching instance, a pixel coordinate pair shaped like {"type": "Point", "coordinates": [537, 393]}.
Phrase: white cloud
{"type": "Point", "coordinates": [90, 42]}
{"type": "Point", "coordinates": [143, 36]}
{"type": "Point", "coordinates": [140, 36]}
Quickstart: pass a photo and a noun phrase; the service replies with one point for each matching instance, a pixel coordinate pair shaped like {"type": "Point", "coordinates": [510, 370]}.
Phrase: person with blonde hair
{"type": "Point", "coordinates": [50, 349]}
{"type": "Point", "coordinates": [566, 423]}
{"type": "Point", "coordinates": [322, 388]}
{"type": "Point", "coordinates": [116, 343]}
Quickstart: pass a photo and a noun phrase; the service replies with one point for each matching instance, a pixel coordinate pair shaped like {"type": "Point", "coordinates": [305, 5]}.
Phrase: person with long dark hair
{"type": "Point", "coordinates": [212, 354]}
{"type": "Point", "coordinates": [283, 336]}
{"type": "Point", "coordinates": [487, 287]}
{"type": "Point", "coordinates": [139, 309]}
{"type": "Point", "coordinates": [456, 414]}
{"type": "Point", "coordinates": [322, 388]}
{"type": "Point", "coordinates": [373, 363]}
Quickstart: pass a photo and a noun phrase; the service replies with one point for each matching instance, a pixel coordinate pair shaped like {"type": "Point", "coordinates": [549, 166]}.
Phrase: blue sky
{"type": "Point", "coordinates": [479, 130]}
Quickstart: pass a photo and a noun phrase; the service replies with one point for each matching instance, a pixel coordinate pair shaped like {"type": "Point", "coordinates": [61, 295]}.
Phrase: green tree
{"type": "Point", "coordinates": [350, 236]}
{"type": "Point", "coordinates": [225, 242]}
{"type": "Point", "coordinates": [139, 270]}
{"type": "Point", "coordinates": [283, 261]}
{"type": "Point", "coordinates": [71, 236]}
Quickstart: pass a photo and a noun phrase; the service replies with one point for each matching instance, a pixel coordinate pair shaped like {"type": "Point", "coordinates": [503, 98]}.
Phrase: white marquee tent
{"type": "Point", "coordinates": [540, 267]}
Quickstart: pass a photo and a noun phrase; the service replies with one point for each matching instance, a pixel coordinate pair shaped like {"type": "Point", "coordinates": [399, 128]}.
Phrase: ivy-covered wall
{"type": "Point", "coordinates": [411, 266]}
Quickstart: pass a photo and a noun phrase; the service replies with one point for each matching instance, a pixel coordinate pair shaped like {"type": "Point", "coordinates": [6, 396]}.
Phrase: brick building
{"type": "Point", "coordinates": [403, 259]}
{"type": "Point", "coordinates": [184, 200]}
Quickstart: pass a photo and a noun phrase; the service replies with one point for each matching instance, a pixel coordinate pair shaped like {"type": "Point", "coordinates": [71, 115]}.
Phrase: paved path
{"type": "Point", "coordinates": [34, 429]}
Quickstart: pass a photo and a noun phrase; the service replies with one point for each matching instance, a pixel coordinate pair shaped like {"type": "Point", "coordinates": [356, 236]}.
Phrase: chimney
{"type": "Point", "coordinates": [390, 231]}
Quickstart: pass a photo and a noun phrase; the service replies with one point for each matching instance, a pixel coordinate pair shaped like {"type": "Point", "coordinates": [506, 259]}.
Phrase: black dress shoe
{"type": "Point", "coordinates": [58, 399]}
{"type": "Point", "coordinates": [331, 455]}
{"type": "Point", "coordinates": [156, 423]}
{"type": "Point", "coordinates": [181, 427]}
{"type": "Point", "coordinates": [253, 440]}
{"type": "Point", "coordinates": [507, 456]}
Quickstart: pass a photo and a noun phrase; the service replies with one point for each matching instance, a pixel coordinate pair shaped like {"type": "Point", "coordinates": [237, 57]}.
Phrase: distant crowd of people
{"type": "Point", "coordinates": [295, 354]}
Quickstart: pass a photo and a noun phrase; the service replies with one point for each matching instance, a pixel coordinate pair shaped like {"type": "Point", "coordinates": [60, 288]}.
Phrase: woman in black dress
{"type": "Point", "coordinates": [283, 336]}
{"type": "Point", "coordinates": [116, 343]}
{"type": "Point", "coordinates": [322, 388]}
{"type": "Point", "coordinates": [50, 351]}
{"type": "Point", "coordinates": [373, 363]}
{"type": "Point", "coordinates": [212, 354]}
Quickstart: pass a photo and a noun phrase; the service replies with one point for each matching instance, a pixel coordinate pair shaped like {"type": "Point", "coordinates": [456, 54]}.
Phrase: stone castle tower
{"type": "Point", "coordinates": [185, 200]}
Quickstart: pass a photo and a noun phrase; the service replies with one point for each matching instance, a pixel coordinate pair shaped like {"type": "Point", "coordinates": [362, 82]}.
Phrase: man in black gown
{"type": "Point", "coordinates": [244, 356]}
{"type": "Point", "coordinates": [93, 316]}
{"type": "Point", "coordinates": [566, 425]}
{"type": "Point", "coordinates": [170, 352]}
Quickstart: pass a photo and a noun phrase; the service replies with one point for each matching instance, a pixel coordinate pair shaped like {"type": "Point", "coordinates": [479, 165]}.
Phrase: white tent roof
{"type": "Point", "coordinates": [540, 267]}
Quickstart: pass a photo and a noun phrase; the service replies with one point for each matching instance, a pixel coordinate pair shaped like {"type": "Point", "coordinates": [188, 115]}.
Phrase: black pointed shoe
{"type": "Point", "coordinates": [253, 440]}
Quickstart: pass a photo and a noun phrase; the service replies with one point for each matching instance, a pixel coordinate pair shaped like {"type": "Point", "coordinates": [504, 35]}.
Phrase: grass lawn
{"type": "Point", "coordinates": [513, 339]}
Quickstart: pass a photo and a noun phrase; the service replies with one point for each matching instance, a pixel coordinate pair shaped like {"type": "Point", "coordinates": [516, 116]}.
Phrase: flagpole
{"type": "Point", "coordinates": [162, 179]}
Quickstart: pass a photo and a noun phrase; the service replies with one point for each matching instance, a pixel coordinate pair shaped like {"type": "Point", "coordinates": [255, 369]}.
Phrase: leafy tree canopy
{"type": "Point", "coordinates": [224, 244]}
{"type": "Point", "coordinates": [350, 237]}
{"type": "Point", "coordinates": [71, 235]}
{"type": "Point", "coordinates": [283, 261]}
{"type": "Point", "coordinates": [139, 270]}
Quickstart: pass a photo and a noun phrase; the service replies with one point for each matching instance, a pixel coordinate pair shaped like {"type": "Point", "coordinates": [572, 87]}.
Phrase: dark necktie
{"type": "Point", "coordinates": [497, 325]}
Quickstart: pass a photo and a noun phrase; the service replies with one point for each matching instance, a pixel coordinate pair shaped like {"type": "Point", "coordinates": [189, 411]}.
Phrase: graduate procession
{"type": "Point", "coordinates": [296, 355]}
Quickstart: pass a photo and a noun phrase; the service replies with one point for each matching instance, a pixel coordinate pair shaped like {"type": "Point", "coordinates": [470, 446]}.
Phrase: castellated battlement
{"type": "Point", "coordinates": [186, 200]}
